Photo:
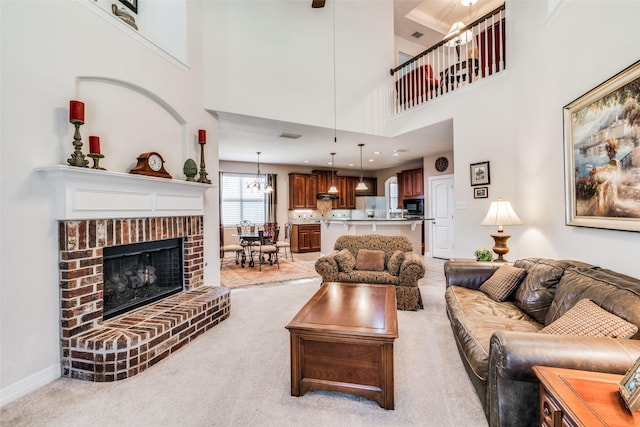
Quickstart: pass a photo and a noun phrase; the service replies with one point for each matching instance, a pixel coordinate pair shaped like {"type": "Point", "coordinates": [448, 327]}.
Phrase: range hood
{"type": "Point", "coordinates": [326, 196]}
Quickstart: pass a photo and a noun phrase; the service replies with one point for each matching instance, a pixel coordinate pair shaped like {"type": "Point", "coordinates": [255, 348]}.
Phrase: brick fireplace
{"type": "Point", "coordinates": [100, 350]}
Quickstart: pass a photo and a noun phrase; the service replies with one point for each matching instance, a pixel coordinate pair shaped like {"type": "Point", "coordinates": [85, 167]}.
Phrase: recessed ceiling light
{"type": "Point", "coordinates": [350, 164]}
{"type": "Point", "coordinates": [396, 154]}
{"type": "Point", "coordinates": [306, 161]}
{"type": "Point", "coordinates": [377, 152]}
{"type": "Point", "coordinates": [371, 160]}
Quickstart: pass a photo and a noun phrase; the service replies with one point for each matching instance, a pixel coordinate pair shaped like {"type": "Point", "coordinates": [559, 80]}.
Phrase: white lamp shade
{"type": "Point", "coordinates": [361, 186]}
{"type": "Point", "coordinates": [501, 213]}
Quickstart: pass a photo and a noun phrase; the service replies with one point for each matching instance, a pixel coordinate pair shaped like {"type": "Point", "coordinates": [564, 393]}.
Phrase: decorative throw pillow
{"type": "Point", "coordinates": [502, 282]}
{"type": "Point", "coordinates": [588, 319]}
{"type": "Point", "coordinates": [346, 261]}
{"type": "Point", "coordinates": [370, 260]}
{"type": "Point", "coordinates": [396, 260]}
{"type": "Point", "coordinates": [535, 294]}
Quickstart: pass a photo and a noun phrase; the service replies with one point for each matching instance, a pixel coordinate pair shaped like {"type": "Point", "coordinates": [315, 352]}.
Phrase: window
{"type": "Point", "coordinates": [237, 203]}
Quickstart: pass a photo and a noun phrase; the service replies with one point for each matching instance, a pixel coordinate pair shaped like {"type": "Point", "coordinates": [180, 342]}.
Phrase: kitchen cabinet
{"type": "Point", "coordinates": [411, 184]}
{"type": "Point", "coordinates": [346, 192]}
{"type": "Point", "coordinates": [324, 180]}
{"type": "Point", "coordinates": [372, 187]}
{"type": "Point", "coordinates": [305, 238]}
{"type": "Point", "coordinates": [303, 189]}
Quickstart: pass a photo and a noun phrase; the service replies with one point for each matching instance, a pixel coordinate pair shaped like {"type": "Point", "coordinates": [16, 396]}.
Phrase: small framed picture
{"type": "Point", "coordinates": [630, 387]}
{"type": "Point", "coordinates": [480, 174]}
{"type": "Point", "coordinates": [131, 4]}
{"type": "Point", "coordinates": [481, 192]}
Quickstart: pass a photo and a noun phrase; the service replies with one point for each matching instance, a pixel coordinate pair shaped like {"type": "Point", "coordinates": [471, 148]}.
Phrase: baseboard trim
{"type": "Point", "coordinates": [28, 384]}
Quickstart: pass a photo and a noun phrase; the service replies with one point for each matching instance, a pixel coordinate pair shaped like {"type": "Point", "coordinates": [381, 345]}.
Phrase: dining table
{"type": "Point", "coordinates": [247, 241]}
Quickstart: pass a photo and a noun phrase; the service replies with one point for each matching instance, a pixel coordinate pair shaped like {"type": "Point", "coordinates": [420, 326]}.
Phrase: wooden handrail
{"type": "Point", "coordinates": [436, 46]}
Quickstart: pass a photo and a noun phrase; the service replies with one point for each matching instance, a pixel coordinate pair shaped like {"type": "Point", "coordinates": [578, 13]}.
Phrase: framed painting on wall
{"type": "Point", "coordinates": [481, 192]}
{"type": "Point", "coordinates": [131, 4]}
{"type": "Point", "coordinates": [480, 174]}
{"type": "Point", "coordinates": [602, 154]}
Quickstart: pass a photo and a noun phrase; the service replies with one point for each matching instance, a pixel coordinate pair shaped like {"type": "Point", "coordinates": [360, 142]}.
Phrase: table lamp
{"type": "Point", "coordinates": [501, 213]}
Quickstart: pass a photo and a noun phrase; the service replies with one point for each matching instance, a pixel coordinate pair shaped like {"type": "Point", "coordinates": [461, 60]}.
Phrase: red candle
{"type": "Point", "coordinates": [76, 111]}
{"type": "Point", "coordinates": [202, 135]}
{"type": "Point", "coordinates": [94, 144]}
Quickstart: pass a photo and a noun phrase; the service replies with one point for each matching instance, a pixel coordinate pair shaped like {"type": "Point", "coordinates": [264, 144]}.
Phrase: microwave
{"type": "Point", "coordinates": [413, 207]}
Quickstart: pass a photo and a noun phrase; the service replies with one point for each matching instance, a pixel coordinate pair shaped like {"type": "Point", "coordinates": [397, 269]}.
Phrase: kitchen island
{"type": "Point", "coordinates": [334, 228]}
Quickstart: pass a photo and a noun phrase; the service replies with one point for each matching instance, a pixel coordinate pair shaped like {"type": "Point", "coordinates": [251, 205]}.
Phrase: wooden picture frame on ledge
{"type": "Point", "coordinates": [131, 4]}
{"type": "Point", "coordinates": [630, 387]}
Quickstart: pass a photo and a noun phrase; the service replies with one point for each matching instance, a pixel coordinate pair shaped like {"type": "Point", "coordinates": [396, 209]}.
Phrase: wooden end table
{"type": "Point", "coordinates": [342, 340]}
{"type": "Point", "coordinates": [582, 398]}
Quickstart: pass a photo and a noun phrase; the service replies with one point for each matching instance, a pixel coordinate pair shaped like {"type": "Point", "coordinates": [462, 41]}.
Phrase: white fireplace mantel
{"type": "Point", "coordinates": [84, 193]}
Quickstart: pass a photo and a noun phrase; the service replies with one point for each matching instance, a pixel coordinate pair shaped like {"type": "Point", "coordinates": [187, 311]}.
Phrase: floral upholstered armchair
{"type": "Point", "coordinates": [373, 258]}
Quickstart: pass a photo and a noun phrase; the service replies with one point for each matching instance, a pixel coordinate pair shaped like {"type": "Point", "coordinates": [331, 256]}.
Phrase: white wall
{"type": "Point", "coordinates": [136, 99]}
{"type": "Point", "coordinates": [514, 120]}
{"type": "Point", "coordinates": [274, 59]}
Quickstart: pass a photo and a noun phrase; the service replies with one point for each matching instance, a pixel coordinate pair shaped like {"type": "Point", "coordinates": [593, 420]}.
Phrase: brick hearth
{"type": "Point", "coordinates": [97, 350]}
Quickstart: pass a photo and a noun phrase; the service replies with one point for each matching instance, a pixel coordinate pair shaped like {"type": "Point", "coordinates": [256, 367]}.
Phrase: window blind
{"type": "Point", "coordinates": [238, 204]}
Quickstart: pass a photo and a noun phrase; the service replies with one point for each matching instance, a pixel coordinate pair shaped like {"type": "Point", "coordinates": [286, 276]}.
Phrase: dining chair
{"type": "Point", "coordinates": [266, 246]}
{"type": "Point", "coordinates": [236, 248]}
{"type": "Point", "coordinates": [245, 228]}
{"type": "Point", "coordinates": [269, 228]}
{"type": "Point", "coordinates": [286, 243]}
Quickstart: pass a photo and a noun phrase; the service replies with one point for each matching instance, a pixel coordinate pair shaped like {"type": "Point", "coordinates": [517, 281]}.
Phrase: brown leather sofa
{"type": "Point", "coordinates": [499, 342]}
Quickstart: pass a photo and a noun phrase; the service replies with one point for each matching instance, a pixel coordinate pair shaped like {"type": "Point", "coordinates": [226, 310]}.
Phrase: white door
{"type": "Point", "coordinates": [442, 208]}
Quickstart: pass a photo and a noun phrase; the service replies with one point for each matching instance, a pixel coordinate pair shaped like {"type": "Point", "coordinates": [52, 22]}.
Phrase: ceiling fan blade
{"type": "Point", "coordinates": [317, 3]}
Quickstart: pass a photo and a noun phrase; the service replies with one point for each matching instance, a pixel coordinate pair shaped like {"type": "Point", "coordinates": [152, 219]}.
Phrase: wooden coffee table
{"type": "Point", "coordinates": [342, 340]}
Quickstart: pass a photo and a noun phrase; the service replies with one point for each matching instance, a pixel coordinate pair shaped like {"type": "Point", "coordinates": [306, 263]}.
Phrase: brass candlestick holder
{"type": "Point", "coordinates": [203, 173]}
{"type": "Point", "coordinates": [77, 158]}
{"type": "Point", "coordinates": [96, 159]}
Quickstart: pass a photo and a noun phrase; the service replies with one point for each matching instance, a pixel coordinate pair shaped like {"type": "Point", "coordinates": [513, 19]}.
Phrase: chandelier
{"type": "Point", "coordinates": [258, 183]}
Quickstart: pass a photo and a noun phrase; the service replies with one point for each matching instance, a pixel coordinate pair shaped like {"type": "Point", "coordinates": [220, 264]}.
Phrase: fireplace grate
{"type": "Point", "coordinates": [140, 273]}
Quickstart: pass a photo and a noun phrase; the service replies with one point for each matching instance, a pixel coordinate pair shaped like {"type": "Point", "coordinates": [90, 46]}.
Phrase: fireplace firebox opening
{"type": "Point", "coordinates": [141, 273]}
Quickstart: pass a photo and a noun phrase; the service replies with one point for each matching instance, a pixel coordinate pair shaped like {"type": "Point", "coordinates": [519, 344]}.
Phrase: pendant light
{"type": "Point", "coordinates": [256, 185]}
{"type": "Point", "coordinates": [361, 185]}
{"type": "Point", "coordinates": [332, 189]}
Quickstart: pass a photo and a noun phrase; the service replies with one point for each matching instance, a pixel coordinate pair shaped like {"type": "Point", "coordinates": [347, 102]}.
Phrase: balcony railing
{"type": "Point", "coordinates": [473, 53]}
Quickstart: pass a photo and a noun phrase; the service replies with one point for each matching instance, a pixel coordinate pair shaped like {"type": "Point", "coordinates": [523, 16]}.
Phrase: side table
{"type": "Point", "coordinates": [581, 398]}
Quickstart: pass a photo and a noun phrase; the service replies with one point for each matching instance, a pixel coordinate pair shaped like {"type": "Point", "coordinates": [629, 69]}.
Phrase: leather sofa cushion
{"type": "Point", "coordinates": [345, 260]}
{"type": "Point", "coordinates": [587, 319]}
{"type": "Point", "coordinates": [537, 290]}
{"type": "Point", "coordinates": [502, 282]}
{"type": "Point", "coordinates": [614, 292]}
{"type": "Point", "coordinates": [475, 317]}
{"type": "Point", "coordinates": [370, 260]}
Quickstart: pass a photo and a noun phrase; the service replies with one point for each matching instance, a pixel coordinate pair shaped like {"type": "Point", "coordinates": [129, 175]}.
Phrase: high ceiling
{"type": "Point", "coordinates": [434, 18]}
{"type": "Point", "coordinates": [242, 136]}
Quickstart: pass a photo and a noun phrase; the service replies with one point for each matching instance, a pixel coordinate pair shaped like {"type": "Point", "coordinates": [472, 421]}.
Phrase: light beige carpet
{"type": "Point", "coordinates": [237, 374]}
{"type": "Point", "coordinates": [302, 266]}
